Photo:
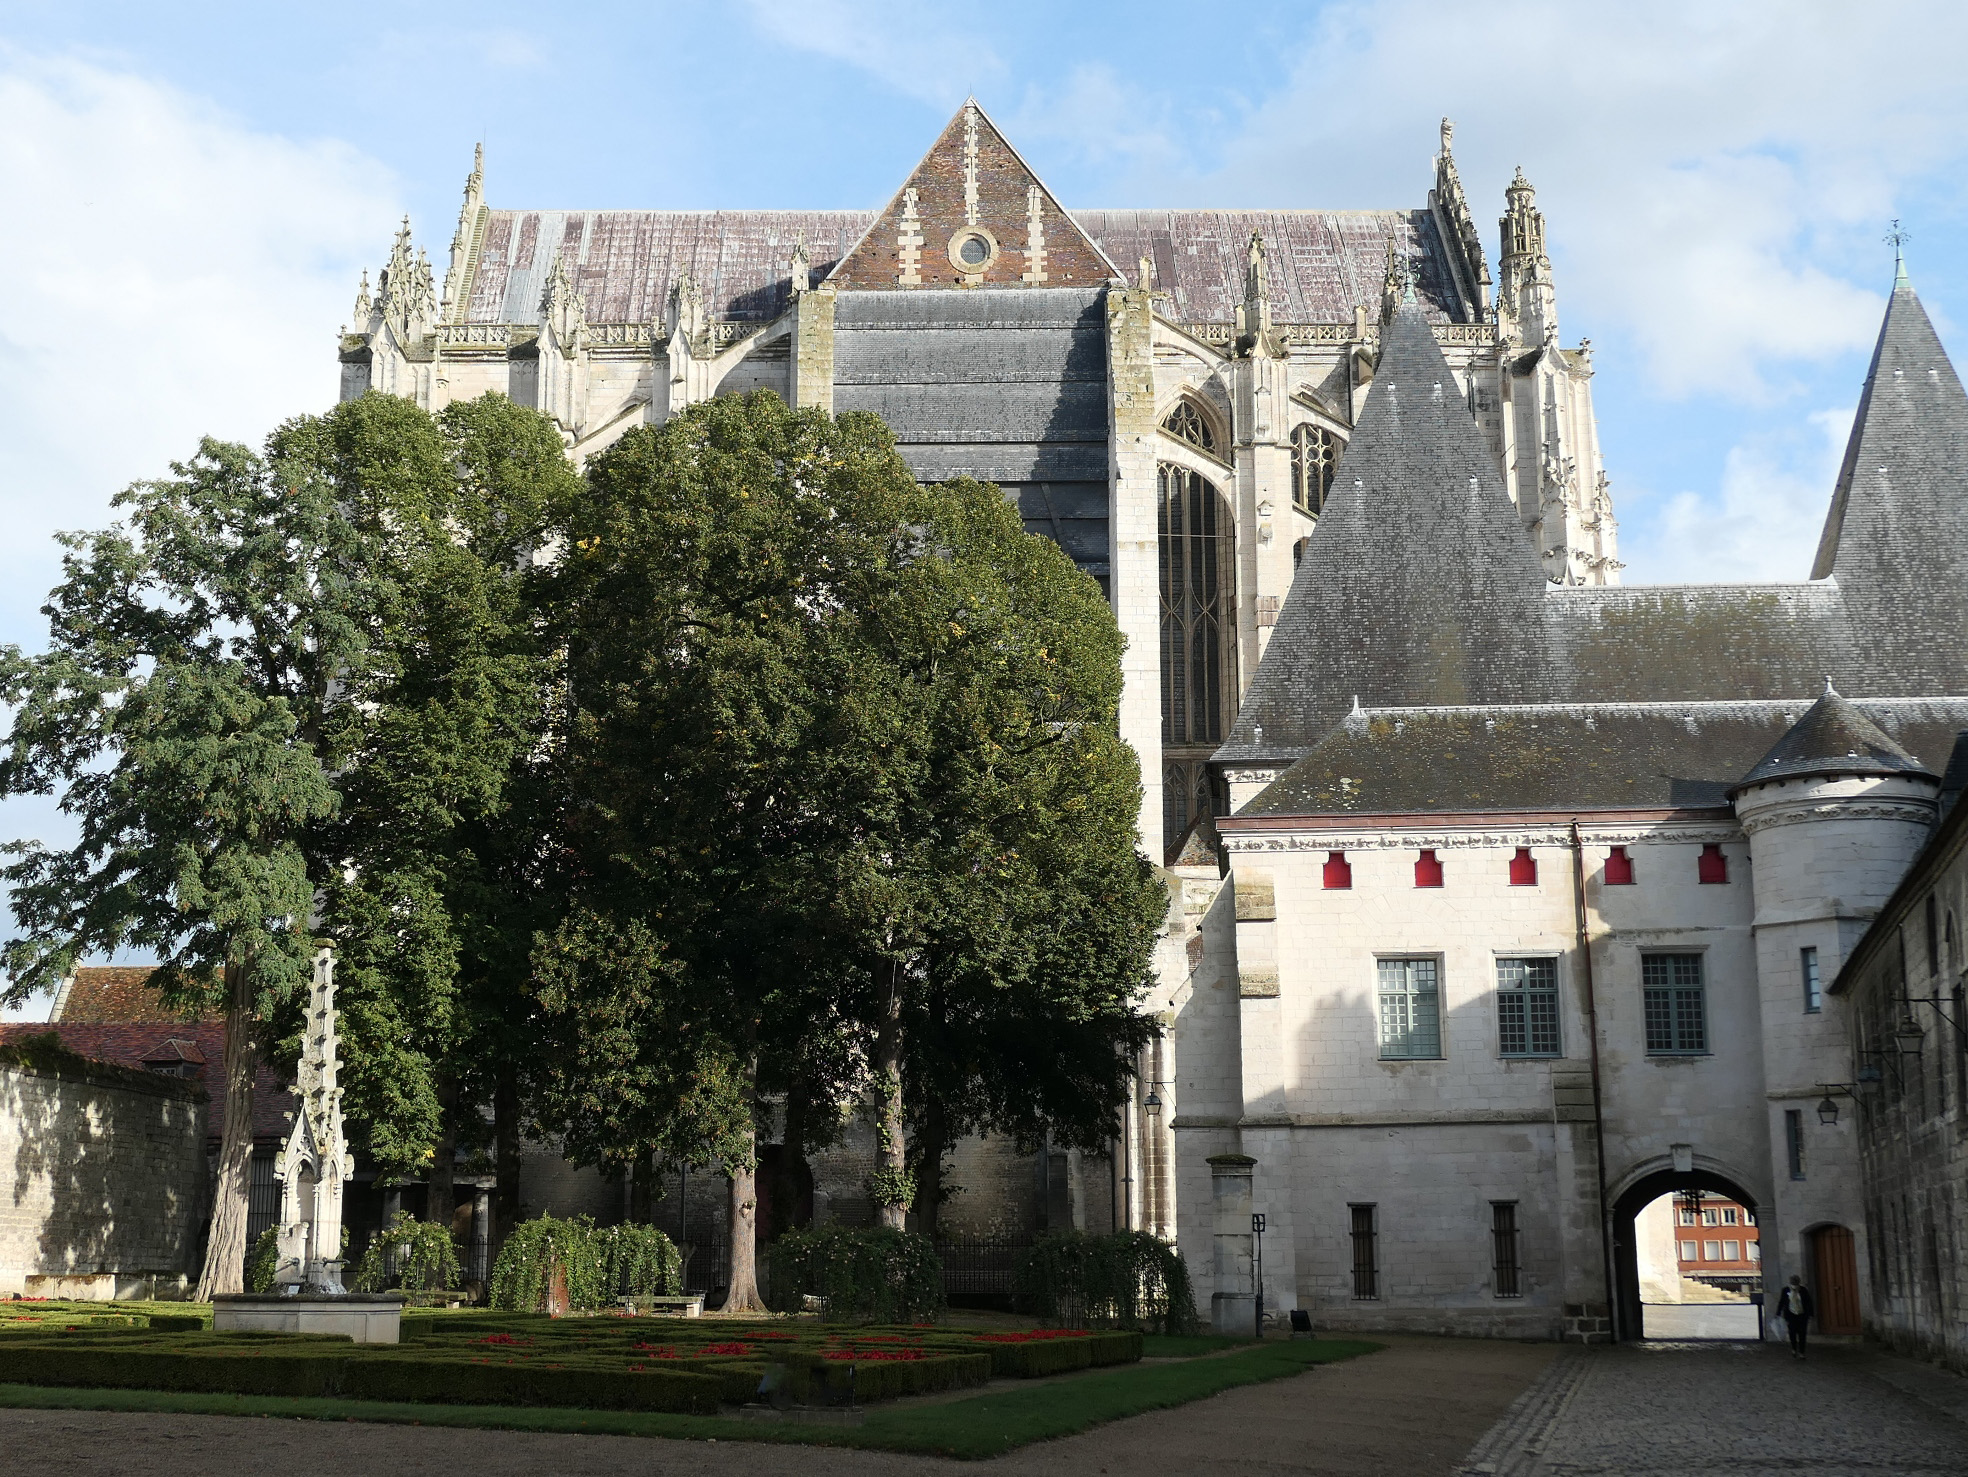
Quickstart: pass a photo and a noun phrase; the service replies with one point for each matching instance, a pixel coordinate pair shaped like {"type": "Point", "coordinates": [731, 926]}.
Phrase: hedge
{"type": "Point", "coordinates": [1130, 1280]}
{"type": "Point", "coordinates": [597, 1264]}
{"type": "Point", "coordinates": [879, 1275]}
{"type": "Point", "coordinates": [1042, 1352]}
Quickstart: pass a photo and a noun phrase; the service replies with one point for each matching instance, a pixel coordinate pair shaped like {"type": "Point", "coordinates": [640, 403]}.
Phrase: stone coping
{"type": "Point", "coordinates": [339, 1299]}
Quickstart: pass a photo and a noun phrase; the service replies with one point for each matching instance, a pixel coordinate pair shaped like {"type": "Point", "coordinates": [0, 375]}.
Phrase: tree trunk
{"type": "Point", "coordinates": [891, 1154]}
{"type": "Point", "coordinates": [505, 1152]}
{"type": "Point", "coordinates": [930, 1147]}
{"type": "Point", "coordinates": [441, 1200]}
{"type": "Point", "coordinates": [225, 1246]}
{"type": "Point", "coordinates": [743, 1296]}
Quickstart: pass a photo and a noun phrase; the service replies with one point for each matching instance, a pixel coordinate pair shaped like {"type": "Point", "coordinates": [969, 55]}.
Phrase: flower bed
{"type": "Point", "coordinates": [524, 1359]}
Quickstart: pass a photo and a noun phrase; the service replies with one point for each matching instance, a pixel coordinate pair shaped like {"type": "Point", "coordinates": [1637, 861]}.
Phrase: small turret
{"type": "Point", "coordinates": [1527, 303]}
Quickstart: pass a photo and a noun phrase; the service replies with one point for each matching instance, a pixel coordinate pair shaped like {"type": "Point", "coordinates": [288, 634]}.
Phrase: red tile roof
{"type": "Point", "coordinates": [112, 995]}
{"type": "Point", "coordinates": [134, 1045]}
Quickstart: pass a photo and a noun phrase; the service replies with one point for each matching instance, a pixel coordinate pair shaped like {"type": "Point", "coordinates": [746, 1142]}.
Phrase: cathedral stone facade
{"type": "Point", "coordinates": [1506, 895]}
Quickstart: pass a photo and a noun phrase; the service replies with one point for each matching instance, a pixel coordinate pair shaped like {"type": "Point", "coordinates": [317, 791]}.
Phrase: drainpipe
{"type": "Point", "coordinates": [1598, 1112]}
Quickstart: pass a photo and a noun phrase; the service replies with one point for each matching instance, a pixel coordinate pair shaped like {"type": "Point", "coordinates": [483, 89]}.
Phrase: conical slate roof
{"type": "Point", "coordinates": [1896, 537]}
{"type": "Point", "coordinates": [1420, 584]}
{"type": "Point", "coordinates": [1833, 737]}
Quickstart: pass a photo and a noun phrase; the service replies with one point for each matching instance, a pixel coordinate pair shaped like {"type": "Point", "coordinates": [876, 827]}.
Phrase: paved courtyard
{"type": "Point", "coordinates": [1748, 1410]}
{"type": "Point", "coordinates": [1702, 1320]}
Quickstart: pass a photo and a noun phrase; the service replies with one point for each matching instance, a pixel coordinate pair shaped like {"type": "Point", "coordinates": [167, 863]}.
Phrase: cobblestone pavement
{"type": "Point", "coordinates": [1748, 1410]}
{"type": "Point", "coordinates": [1702, 1320]}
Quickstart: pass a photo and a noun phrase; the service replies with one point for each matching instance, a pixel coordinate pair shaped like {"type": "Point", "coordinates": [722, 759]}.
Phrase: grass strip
{"type": "Point", "coordinates": [973, 1429]}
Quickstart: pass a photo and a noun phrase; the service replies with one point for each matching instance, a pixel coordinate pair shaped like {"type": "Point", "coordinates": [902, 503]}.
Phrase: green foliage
{"type": "Point", "coordinates": [1128, 1280]}
{"type": "Point", "coordinates": [536, 1250]}
{"type": "Point", "coordinates": [879, 1275]}
{"type": "Point", "coordinates": [424, 1257]}
{"type": "Point", "coordinates": [892, 1187]}
{"type": "Point", "coordinates": [640, 1261]}
{"type": "Point", "coordinates": [262, 1261]}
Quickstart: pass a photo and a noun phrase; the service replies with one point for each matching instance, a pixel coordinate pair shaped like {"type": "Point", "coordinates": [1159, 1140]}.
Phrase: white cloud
{"type": "Point", "coordinates": [170, 273]}
{"type": "Point", "coordinates": [1766, 518]}
{"type": "Point", "coordinates": [912, 48]}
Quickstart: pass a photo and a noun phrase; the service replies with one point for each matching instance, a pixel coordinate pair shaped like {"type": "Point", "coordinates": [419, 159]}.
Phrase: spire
{"type": "Point", "coordinates": [1834, 737]}
{"type": "Point", "coordinates": [406, 294]}
{"type": "Point", "coordinates": [1898, 238]}
{"type": "Point", "coordinates": [1458, 229]}
{"type": "Point", "coordinates": [457, 276]}
{"type": "Point", "coordinates": [1527, 305]}
{"type": "Point", "coordinates": [1419, 585]}
{"type": "Point", "coordinates": [1896, 536]}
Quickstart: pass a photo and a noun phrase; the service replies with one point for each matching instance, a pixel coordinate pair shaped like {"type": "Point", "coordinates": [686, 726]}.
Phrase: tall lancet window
{"type": "Point", "coordinates": [1198, 640]}
{"type": "Point", "coordinates": [1314, 455]}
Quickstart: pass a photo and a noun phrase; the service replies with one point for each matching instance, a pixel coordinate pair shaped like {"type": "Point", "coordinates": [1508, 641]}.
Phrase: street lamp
{"type": "Point", "coordinates": [1828, 1106]}
{"type": "Point", "coordinates": [1908, 1035]}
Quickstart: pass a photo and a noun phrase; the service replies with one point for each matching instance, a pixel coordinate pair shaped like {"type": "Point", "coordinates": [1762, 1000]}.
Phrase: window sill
{"type": "Point", "coordinates": [1530, 1056]}
{"type": "Point", "coordinates": [1399, 1059]}
{"type": "Point", "coordinates": [1678, 1056]}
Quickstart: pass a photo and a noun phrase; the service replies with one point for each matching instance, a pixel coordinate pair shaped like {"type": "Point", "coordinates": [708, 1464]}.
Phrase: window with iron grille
{"type": "Point", "coordinates": [1813, 992]}
{"type": "Point", "coordinates": [1314, 455]}
{"type": "Point", "coordinates": [1410, 1009]}
{"type": "Point", "coordinates": [1366, 1253]}
{"type": "Point", "coordinates": [1503, 1245]}
{"type": "Point", "coordinates": [1677, 1023]}
{"type": "Point", "coordinates": [1794, 1141]}
{"type": "Point", "coordinates": [1527, 1007]}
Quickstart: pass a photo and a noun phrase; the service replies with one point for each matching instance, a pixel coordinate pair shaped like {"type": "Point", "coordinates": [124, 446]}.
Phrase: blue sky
{"type": "Point", "coordinates": [192, 192]}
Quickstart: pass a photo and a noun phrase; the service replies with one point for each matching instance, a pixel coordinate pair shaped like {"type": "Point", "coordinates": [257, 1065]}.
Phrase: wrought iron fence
{"type": "Point", "coordinates": [981, 1266]}
{"type": "Point", "coordinates": [707, 1267]}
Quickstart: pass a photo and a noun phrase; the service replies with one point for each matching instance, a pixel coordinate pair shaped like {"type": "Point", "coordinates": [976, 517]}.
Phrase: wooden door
{"type": "Point", "coordinates": [1837, 1287]}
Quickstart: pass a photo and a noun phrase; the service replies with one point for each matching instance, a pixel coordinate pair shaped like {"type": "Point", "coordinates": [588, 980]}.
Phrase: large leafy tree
{"type": "Point", "coordinates": [188, 709]}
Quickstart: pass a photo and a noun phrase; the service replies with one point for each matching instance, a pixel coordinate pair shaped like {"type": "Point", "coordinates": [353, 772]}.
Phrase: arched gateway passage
{"type": "Point", "coordinates": [1628, 1311]}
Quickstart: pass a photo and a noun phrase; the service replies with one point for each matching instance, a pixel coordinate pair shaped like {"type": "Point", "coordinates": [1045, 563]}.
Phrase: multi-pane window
{"type": "Point", "coordinates": [1186, 423]}
{"type": "Point", "coordinates": [1198, 634]}
{"type": "Point", "coordinates": [1314, 455]}
{"type": "Point", "coordinates": [1671, 986]}
{"type": "Point", "coordinates": [1527, 1007]}
{"type": "Point", "coordinates": [1410, 1008]}
{"type": "Point", "coordinates": [1813, 990]}
{"type": "Point", "coordinates": [1503, 1249]}
{"type": "Point", "coordinates": [1688, 1252]}
{"type": "Point", "coordinates": [1728, 1215]}
{"type": "Point", "coordinates": [1366, 1253]}
{"type": "Point", "coordinates": [1794, 1141]}
{"type": "Point", "coordinates": [1731, 1251]}
{"type": "Point", "coordinates": [1711, 1251]}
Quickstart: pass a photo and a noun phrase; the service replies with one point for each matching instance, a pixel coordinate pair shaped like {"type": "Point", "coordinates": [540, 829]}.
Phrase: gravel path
{"type": "Point", "coordinates": [1411, 1410]}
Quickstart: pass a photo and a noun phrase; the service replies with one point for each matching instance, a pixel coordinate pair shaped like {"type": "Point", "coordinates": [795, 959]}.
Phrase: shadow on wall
{"type": "Point", "coordinates": [104, 1172]}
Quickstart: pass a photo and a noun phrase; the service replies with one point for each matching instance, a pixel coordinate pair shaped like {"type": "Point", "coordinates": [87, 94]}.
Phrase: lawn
{"type": "Point", "coordinates": [637, 1376]}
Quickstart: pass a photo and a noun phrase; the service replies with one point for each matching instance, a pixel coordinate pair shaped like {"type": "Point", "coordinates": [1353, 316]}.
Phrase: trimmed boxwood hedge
{"type": "Point", "coordinates": [1031, 1358]}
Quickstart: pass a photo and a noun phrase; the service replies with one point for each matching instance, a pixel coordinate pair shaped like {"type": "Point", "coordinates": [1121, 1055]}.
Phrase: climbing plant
{"type": "Point", "coordinates": [419, 1253]}
{"type": "Point", "coordinates": [543, 1251]}
{"type": "Point", "coordinates": [640, 1261]}
{"type": "Point", "coordinates": [263, 1260]}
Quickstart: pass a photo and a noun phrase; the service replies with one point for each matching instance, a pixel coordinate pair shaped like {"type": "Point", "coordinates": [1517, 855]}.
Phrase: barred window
{"type": "Point", "coordinates": [1410, 1009]}
{"type": "Point", "coordinates": [1503, 1246]}
{"type": "Point", "coordinates": [1314, 456]}
{"type": "Point", "coordinates": [1527, 1007]}
{"type": "Point", "coordinates": [1676, 1019]}
{"type": "Point", "coordinates": [1813, 994]}
{"type": "Point", "coordinates": [1366, 1253]}
{"type": "Point", "coordinates": [1186, 423]}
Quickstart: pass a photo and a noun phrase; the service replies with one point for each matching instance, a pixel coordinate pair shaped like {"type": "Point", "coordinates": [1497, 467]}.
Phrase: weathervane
{"type": "Point", "coordinates": [1898, 236]}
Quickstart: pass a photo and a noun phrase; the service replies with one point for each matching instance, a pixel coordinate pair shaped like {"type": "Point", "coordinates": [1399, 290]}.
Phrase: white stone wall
{"type": "Point", "coordinates": [100, 1177]}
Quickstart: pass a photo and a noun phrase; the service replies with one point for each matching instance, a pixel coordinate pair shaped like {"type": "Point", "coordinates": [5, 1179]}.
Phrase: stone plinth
{"type": "Point", "coordinates": [368, 1319]}
{"type": "Point", "coordinates": [1233, 1303]}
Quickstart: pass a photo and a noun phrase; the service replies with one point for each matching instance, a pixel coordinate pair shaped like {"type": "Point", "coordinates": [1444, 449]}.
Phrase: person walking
{"type": "Point", "coordinates": [1794, 1306]}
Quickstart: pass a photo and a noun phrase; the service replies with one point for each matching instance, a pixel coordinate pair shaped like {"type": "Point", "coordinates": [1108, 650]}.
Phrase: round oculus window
{"type": "Point", "coordinates": [973, 249]}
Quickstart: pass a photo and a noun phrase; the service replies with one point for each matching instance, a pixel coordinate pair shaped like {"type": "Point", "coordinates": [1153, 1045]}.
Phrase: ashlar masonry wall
{"type": "Point", "coordinates": [100, 1173]}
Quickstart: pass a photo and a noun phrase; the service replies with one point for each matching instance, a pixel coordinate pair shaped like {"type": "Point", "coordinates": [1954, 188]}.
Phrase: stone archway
{"type": "Point", "coordinates": [1628, 1315]}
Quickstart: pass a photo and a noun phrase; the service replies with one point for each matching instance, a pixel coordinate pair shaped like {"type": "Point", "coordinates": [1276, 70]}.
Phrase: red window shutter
{"type": "Point", "coordinates": [1339, 872]}
{"type": "Point", "coordinates": [1428, 870]}
{"type": "Point", "coordinates": [1523, 868]}
{"type": "Point", "coordinates": [1713, 866]}
{"type": "Point", "coordinates": [1619, 868]}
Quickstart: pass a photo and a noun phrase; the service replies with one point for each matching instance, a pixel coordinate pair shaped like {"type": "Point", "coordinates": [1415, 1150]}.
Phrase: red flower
{"type": "Point", "coordinates": [724, 1350]}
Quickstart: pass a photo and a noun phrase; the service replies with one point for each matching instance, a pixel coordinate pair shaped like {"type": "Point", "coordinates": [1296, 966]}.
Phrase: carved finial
{"type": "Point", "coordinates": [562, 308]}
{"type": "Point", "coordinates": [1147, 275]}
{"type": "Point", "coordinates": [362, 304]}
{"type": "Point", "coordinates": [1448, 134]}
{"type": "Point", "coordinates": [1897, 238]}
{"type": "Point", "coordinates": [1829, 691]}
{"type": "Point", "coordinates": [802, 263]}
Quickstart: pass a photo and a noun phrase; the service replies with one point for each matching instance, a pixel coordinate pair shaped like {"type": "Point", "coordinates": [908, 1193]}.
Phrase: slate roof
{"type": "Point", "coordinates": [1896, 537]}
{"type": "Point", "coordinates": [1835, 737]}
{"type": "Point", "coordinates": [1419, 584]}
{"type": "Point", "coordinates": [1569, 757]}
{"type": "Point", "coordinates": [1320, 263]}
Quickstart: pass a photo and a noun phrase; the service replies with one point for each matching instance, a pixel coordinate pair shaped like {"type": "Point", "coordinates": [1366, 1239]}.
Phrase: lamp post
{"type": "Point", "coordinates": [1257, 1274]}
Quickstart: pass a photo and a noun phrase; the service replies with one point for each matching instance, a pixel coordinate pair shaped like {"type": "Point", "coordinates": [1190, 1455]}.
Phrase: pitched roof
{"type": "Point", "coordinates": [972, 181]}
{"type": "Point", "coordinates": [111, 994]}
{"type": "Point", "coordinates": [142, 1044]}
{"type": "Point", "coordinates": [1834, 737]}
{"type": "Point", "coordinates": [1565, 757]}
{"type": "Point", "coordinates": [1896, 536]}
{"type": "Point", "coordinates": [1419, 584]}
{"type": "Point", "coordinates": [1319, 263]}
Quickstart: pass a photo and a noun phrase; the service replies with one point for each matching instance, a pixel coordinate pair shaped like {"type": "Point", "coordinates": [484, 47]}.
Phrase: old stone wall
{"type": "Point", "coordinates": [101, 1172]}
